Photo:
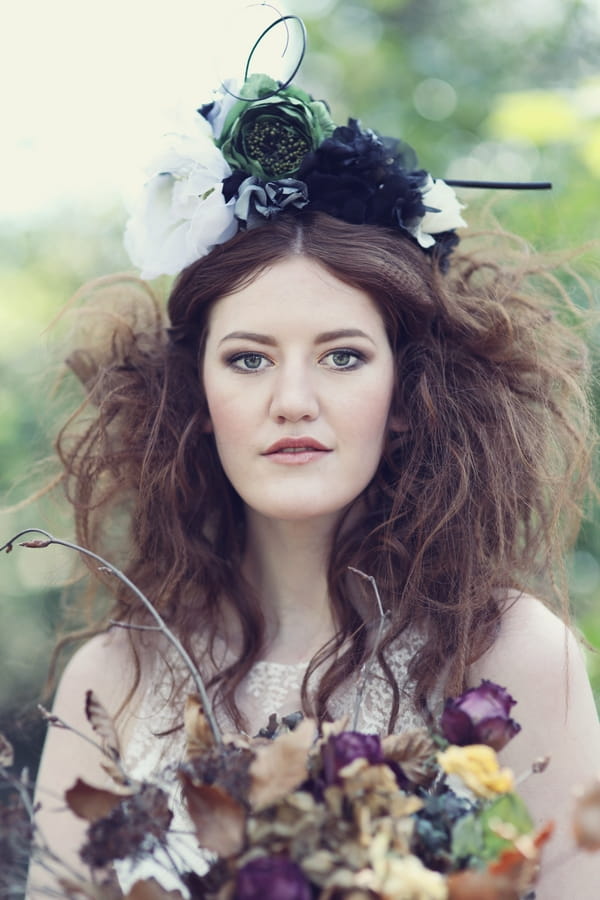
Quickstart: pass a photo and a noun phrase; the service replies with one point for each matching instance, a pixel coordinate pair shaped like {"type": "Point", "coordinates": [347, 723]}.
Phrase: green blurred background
{"type": "Point", "coordinates": [480, 89]}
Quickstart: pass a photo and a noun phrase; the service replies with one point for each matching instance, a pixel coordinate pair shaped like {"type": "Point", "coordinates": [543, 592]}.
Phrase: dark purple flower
{"type": "Point", "coordinates": [362, 178]}
{"type": "Point", "coordinates": [480, 716]}
{"type": "Point", "coordinates": [272, 878]}
{"type": "Point", "coordinates": [342, 749]}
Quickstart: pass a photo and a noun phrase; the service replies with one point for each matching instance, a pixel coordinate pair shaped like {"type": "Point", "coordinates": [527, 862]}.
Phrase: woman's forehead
{"type": "Point", "coordinates": [296, 290]}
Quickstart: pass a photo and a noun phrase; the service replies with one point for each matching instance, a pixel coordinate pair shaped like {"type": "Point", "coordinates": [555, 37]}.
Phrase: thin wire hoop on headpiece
{"type": "Point", "coordinates": [284, 84]}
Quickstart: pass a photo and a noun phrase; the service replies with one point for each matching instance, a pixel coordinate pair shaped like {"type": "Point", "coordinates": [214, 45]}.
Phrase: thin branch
{"type": "Point", "coordinates": [365, 670]}
{"type": "Point", "coordinates": [161, 624]}
{"type": "Point", "coordinates": [39, 850]}
{"type": "Point", "coordinates": [131, 627]}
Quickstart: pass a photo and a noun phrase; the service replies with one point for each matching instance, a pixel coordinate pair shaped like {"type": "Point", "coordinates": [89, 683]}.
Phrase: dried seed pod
{"type": "Point", "coordinates": [586, 821]}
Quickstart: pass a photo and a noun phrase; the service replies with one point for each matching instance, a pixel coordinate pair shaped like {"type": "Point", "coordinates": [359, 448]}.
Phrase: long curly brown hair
{"type": "Point", "coordinates": [478, 495]}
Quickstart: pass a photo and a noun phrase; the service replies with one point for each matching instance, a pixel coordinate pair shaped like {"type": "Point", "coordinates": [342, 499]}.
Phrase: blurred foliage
{"type": "Point", "coordinates": [487, 91]}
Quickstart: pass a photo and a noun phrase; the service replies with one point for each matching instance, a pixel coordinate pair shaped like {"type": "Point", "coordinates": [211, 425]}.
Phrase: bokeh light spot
{"type": "Point", "coordinates": [435, 99]}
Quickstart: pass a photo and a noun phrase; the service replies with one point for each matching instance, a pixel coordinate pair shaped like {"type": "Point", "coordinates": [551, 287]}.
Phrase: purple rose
{"type": "Point", "coordinates": [344, 748]}
{"type": "Point", "coordinates": [272, 878]}
{"type": "Point", "coordinates": [480, 716]}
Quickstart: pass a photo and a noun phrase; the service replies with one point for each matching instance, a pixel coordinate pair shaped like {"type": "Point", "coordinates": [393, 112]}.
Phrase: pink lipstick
{"type": "Point", "coordinates": [295, 450]}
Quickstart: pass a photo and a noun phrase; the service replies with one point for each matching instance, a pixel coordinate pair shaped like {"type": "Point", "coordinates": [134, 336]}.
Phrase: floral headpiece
{"type": "Point", "coordinates": [269, 147]}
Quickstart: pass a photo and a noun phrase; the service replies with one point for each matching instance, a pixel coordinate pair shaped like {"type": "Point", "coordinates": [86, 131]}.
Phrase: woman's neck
{"type": "Point", "coordinates": [286, 563]}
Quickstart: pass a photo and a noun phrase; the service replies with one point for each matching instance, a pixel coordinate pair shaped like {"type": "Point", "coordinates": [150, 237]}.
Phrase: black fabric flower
{"type": "Point", "coordinates": [445, 242]}
{"type": "Point", "coordinates": [362, 178]}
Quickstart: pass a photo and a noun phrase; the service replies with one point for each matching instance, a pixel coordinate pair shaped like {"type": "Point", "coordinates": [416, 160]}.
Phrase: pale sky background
{"type": "Point", "coordinates": [88, 86]}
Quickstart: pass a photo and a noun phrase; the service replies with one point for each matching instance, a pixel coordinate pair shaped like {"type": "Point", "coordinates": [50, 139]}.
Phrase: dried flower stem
{"type": "Point", "coordinates": [366, 668]}
{"type": "Point", "coordinates": [132, 627]}
{"type": "Point", "coordinates": [39, 849]}
{"type": "Point", "coordinates": [161, 624]}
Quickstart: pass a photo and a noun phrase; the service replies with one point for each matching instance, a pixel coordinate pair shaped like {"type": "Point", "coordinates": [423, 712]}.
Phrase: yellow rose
{"type": "Point", "coordinates": [477, 765]}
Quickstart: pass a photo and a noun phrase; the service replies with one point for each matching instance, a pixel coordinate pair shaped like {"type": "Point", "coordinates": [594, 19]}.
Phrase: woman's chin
{"type": "Point", "coordinates": [298, 511]}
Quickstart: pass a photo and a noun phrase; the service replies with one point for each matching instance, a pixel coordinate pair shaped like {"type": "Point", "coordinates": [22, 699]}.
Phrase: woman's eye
{"type": "Point", "coordinates": [249, 362]}
{"type": "Point", "coordinates": [344, 359]}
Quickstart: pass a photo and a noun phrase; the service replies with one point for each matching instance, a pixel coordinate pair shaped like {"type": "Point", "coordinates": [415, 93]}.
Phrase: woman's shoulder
{"type": "Point", "coordinates": [539, 660]}
{"type": "Point", "coordinates": [532, 641]}
{"type": "Point", "coordinates": [532, 634]}
{"type": "Point", "coordinates": [105, 665]}
{"type": "Point", "coordinates": [102, 659]}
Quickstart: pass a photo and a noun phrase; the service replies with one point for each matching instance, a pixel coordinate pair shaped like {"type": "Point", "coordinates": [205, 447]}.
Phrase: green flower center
{"type": "Point", "coordinates": [279, 149]}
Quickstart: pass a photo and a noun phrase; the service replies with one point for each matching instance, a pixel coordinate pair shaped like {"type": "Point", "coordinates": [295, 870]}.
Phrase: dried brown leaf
{"type": "Point", "coordinates": [414, 751]}
{"type": "Point", "coordinates": [480, 885]}
{"type": "Point", "coordinates": [125, 831]}
{"type": "Point", "coordinates": [92, 803]}
{"type": "Point", "coordinates": [102, 724]}
{"type": "Point", "coordinates": [199, 737]}
{"type": "Point", "coordinates": [7, 755]}
{"type": "Point", "coordinates": [218, 818]}
{"type": "Point", "coordinates": [279, 766]}
{"type": "Point", "coordinates": [586, 819]}
{"type": "Point", "coordinates": [150, 889]}
{"type": "Point", "coordinates": [521, 862]}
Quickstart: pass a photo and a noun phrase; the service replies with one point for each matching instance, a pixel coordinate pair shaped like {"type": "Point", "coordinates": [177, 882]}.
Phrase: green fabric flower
{"type": "Point", "coordinates": [270, 137]}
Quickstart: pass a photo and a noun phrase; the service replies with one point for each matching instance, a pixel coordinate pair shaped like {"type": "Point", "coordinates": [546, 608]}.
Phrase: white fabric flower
{"type": "Point", "coordinates": [443, 212]}
{"type": "Point", "coordinates": [182, 213]}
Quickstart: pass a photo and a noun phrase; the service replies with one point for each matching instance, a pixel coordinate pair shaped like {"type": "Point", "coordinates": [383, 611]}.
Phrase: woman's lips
{"type": "Point", "coordinates": [295, 451]}
{"type": "Point", "coordinates": [295, 444]}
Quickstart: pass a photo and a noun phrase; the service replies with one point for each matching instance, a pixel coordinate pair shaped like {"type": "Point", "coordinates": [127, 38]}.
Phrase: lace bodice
{"type": "Point", "coordinates": [270, 687]}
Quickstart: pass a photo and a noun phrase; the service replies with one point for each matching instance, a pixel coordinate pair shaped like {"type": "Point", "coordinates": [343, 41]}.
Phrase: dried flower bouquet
{"type": "Point", "coordinates": [302, 813]}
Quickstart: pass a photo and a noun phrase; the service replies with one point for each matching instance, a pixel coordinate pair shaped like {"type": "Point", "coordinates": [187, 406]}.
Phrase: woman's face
{"type": "Point", "coordinates": [298, 374]}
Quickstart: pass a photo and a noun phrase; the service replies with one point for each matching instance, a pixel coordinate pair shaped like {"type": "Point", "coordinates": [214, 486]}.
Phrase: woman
{"type": "Point", "coordinates": [328, 395]}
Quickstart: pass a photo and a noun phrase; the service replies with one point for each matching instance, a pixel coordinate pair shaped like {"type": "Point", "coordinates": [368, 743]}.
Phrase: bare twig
{"type": "Point", "coordinates": [39, 849]}
{"type": "Point", "coordinates": [131, 626]}
{"type": "Point", "coordinates": [365, 670]}
{"type": "Point", "coordinates": [161, 624]}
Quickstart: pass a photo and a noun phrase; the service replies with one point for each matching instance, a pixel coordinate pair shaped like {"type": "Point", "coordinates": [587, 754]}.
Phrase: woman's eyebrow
{"type": "Point", "coordinates": [249, 336]}
{"type": "Point", "coordinates": [323, 338]}
{"type": "Point", "coordinates": [327, 336]}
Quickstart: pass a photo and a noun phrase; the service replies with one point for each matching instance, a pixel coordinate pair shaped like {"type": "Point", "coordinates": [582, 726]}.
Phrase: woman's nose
{"type": "Point", "coordinates": [294, 397]}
